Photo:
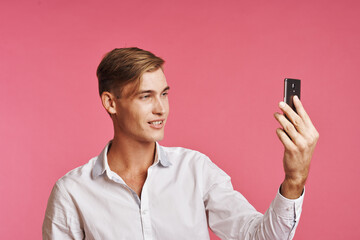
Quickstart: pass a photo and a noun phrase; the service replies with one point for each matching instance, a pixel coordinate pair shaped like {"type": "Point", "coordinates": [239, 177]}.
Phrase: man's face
{"type": "Point", "coordinates": [142, 117]}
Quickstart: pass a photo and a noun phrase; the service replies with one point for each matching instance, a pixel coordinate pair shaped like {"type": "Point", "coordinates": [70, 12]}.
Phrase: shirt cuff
{"type": "Point", "coordinates": [288, 208]}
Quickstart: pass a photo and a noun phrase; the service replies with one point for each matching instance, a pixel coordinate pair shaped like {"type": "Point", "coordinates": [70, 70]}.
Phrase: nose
{"type": "Point", "coordinates": [159, 107]}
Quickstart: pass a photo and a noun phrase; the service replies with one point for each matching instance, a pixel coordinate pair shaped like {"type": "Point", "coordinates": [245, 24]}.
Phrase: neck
{"type": "Point", "coordinates": [130, 156]}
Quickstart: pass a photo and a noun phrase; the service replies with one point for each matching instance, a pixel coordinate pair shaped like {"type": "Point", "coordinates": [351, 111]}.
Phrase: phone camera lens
{"type": "Point", "coordinates": [293, 85]}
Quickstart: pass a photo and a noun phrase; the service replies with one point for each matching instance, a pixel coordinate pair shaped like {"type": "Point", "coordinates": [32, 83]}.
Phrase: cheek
{"type": "Point", "coordinates": [128, 118]}
{"type": "Point", "coordinates": [167, 106]}
{"type": "Point", "coordinates": [165, 103]}
{"type": "Point", "coordinates": [140, 114]}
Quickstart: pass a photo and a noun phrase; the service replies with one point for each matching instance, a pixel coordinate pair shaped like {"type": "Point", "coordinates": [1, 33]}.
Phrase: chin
{"type": "Point", "coordinates": [158, 137]}
{"type": "Point", "coordinates": [151, 138]}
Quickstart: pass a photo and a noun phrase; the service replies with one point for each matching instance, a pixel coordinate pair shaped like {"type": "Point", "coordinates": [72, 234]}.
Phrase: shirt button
{"type": "Point", "coordinates": [144, 212]}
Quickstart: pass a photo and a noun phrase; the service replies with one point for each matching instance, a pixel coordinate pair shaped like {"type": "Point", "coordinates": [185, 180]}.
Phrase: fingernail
{"type": "Point", "coordinates": [281, 104]}
{"type": "Point", "coordinates": [296, 97]}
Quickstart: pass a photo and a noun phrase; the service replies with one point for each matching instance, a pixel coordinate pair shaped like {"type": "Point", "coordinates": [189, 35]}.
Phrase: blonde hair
{"type": "Point", "coordinates": [123, 66]}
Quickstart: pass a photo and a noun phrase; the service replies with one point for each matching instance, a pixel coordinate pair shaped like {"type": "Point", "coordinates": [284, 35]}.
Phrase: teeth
{"type": "Point", "coordinates": [157, 122]}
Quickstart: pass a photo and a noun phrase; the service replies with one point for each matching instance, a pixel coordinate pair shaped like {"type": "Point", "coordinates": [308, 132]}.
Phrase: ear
{"type": "Point", "coordinates": [108, 102]}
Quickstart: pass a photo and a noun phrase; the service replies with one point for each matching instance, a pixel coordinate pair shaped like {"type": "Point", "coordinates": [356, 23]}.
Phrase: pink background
{"type": "Point", "coordinates": [226, 61]}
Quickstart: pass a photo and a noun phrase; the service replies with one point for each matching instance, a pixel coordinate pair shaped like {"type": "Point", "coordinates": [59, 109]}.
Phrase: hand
{"type": "Point", "coordinates": [299, 137]}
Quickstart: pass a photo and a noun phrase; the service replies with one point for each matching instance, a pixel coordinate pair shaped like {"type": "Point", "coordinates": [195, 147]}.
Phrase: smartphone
{"type": "Point", "coordinates": [291, 88]}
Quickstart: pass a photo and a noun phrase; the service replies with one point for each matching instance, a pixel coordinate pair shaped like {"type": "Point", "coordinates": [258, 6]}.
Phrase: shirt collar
{"type": "Point", "coordinates": [101, 164]}
{"type": "Point", "coordinates": [162, 156]}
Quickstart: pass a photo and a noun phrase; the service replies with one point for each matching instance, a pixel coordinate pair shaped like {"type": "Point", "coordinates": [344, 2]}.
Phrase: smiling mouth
{"type": "Point", "coordinates": [156, 123]}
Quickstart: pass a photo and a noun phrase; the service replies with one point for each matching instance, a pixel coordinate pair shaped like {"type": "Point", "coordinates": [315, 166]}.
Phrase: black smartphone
{"type": "Point", "coordinates": [291, 88]}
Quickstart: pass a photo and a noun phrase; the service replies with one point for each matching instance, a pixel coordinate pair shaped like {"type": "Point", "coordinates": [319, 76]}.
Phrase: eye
{"type": "Point", "coordinates": [144, 97]}
{"type": "Point", "coordinates": [164, 94]}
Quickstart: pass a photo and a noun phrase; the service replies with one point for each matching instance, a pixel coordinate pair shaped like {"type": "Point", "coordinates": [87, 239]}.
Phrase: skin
{"type": "Point", "coordinates": [299, 137]}
{"type": "Point", "coordinates": [133, 146]}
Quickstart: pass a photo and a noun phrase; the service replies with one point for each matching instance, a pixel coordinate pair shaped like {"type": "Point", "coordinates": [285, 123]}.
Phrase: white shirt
{"type": "Point", "coordinates": [183, 194]}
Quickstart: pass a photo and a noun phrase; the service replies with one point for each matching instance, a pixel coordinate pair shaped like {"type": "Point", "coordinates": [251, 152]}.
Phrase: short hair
{"type": "Point", "coordinates": [122, 66]}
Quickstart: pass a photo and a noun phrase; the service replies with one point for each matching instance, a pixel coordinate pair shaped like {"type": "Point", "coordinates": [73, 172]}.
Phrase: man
{"type": "Point", "coordinates": [137, 189]}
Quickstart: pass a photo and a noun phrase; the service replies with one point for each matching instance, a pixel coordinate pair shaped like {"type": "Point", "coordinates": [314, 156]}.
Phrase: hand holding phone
{"type": "Point", "coordinates": [299, 137]}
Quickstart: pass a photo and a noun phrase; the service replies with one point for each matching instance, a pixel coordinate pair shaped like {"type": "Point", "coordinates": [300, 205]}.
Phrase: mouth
{"type": "Point", "coordinates": [156, 124]}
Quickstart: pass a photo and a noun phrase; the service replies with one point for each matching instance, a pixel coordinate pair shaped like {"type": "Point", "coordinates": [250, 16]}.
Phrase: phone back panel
{"type": "Point", "coordinates": [292, 87]}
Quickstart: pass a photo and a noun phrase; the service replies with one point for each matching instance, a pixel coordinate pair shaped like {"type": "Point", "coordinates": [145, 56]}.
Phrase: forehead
{"type": "Point", "coordinates": [155, 81]}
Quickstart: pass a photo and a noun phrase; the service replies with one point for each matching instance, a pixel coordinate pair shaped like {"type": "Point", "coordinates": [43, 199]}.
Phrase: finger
{"type": "Point", "coordinates": [285, 140]}
{"type": "Point", "coordinates": [298, 140]}
{"type": "Point", "coordinates": [301, 110]}
{"type": "Point", "coordinates": [294, 118]}
{"type": "Point", "coordinates": [287, 126]}
{"type": "Point", "coordinates": [311, 132]}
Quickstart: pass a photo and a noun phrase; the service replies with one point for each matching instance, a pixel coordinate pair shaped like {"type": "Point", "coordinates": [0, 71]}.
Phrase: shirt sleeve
{"type": "Point", "coordinates": [231, 216]}
{"type": "Point", "coordinates": [61, 218]}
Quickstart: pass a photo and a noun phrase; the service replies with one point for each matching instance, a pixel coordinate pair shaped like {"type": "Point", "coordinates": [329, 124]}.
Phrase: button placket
{"type": "Point", "coordinates": [144, 210]}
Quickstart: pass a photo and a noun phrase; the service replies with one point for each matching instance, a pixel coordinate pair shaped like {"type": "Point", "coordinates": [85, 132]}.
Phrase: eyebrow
{"type": "Point", "coordinates": [151, 91]}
